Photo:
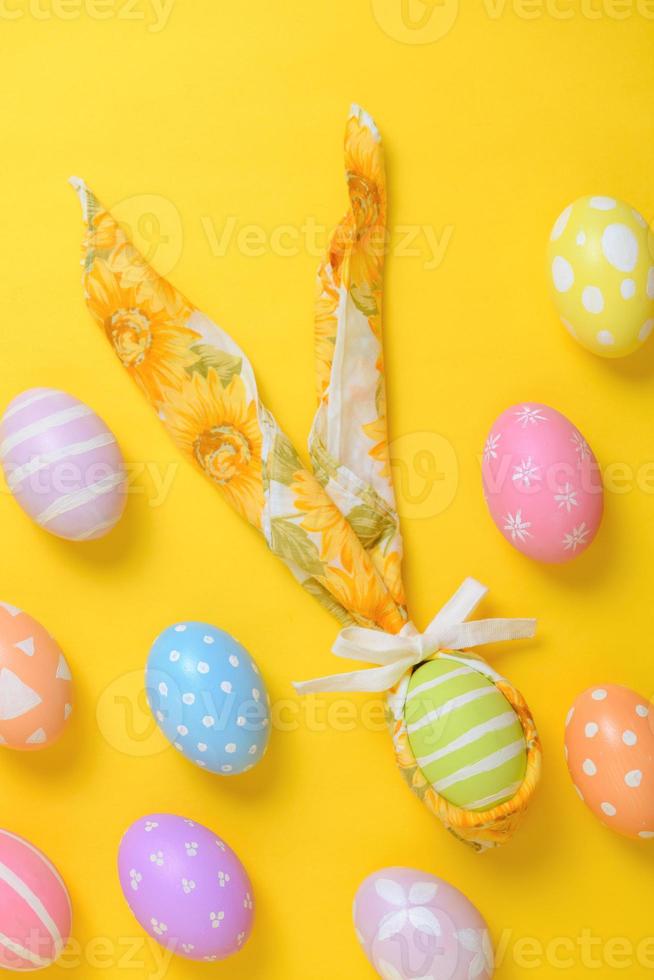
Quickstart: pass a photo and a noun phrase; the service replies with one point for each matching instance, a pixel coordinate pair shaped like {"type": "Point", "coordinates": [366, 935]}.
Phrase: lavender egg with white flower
{"type": "Point", "coordinates": [412, 924]}
{"type": "Point", "coordinates": [208, 697]}
{"type": "Point", "coordinates": [186, 887]}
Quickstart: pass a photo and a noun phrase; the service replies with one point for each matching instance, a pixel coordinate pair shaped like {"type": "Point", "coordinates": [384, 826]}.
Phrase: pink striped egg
{"type": "Point", "coordinates": [35, 909]}
{"type": "Point", "coordinates": [62, 464]}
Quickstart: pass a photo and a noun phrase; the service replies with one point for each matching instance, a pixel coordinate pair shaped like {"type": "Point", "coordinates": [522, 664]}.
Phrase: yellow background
{"type": "Point", "coordinates": [237, 110]}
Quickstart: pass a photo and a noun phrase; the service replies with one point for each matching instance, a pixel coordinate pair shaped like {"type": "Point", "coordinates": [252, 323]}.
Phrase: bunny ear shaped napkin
{"type": "Point", "coordinates": [336, 526]}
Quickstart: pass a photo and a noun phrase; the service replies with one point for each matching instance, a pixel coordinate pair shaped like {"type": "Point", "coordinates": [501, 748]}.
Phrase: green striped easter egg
{"type": "Point", "coordinates": [466, 737]}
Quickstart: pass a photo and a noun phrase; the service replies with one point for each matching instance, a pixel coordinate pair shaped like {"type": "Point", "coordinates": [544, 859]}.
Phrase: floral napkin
{"type": "Point", "coordinates": [335, 524]}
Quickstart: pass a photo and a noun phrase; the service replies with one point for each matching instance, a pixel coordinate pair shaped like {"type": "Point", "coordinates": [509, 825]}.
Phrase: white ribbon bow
{"type": "Point", "coordinates": [395, 654]}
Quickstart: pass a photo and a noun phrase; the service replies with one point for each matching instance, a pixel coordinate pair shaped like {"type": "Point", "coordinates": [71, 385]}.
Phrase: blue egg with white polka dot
{"type": "Point", "coordinates": [208, 698]}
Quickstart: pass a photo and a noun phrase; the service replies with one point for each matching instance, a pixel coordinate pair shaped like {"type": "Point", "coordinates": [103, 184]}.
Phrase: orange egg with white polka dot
{"type": "Point", "coordinates": [36, 689]}
{"type": "Point", "coordinates": [609, 745]}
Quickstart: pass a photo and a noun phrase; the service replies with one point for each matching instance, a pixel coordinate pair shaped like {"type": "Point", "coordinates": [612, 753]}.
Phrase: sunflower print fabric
{"type": "Point", "coordinates": [336, 529]}
{"type": "Point", "coordinates": [333, 523]}
{"type": "Point", "coordinates": [349, 440]}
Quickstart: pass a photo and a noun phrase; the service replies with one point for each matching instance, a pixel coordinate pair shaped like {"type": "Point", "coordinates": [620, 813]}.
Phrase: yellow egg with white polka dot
{"type": "Point", "coordinates": [601, 266]}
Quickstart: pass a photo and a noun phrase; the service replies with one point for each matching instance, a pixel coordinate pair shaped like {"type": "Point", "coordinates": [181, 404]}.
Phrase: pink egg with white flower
{"type": "Point", "coordinates": [412, 924]}
{"type": "Point", "coordinates": [542, 483]}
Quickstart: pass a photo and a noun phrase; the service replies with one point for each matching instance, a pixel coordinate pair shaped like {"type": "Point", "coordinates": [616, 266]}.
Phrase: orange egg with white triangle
{"type": "Point", "coordinates": [36, 689]}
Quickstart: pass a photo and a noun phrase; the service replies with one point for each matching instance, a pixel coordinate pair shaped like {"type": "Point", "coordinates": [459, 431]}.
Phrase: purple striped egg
{"type": "Point", "coordinates": [186, 887]}
{"type": "Point", "coordinates": [62, 464]}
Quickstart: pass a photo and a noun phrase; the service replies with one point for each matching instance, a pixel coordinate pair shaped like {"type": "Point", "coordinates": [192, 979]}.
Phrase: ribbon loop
{"type": "Point", "coordinates": [396, 654]}
{"type": "Point", "coordinates": [374, 646]}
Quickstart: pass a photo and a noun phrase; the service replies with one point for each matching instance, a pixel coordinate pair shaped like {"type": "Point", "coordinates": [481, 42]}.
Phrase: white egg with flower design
{"type": "Point", "coordinates": [412, 924]}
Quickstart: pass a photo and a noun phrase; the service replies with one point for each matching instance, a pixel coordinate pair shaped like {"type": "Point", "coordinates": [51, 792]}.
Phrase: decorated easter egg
{"type": "Point", "coordinates": [186, 887]}
{"type": "Point", "coordinates": [62, 464]}
{"type": "Point", "coordinates": [609, 742]}
{"type": "Point", "coordinates": [35, 909]}
{"type": "Point", "coordinates": [209, 698]}
{"type": "Point", "coordinates": [411, 924]}
{"type": "Point", "coordinates": [466, 737]}
{"type": "Point", "coordinates": [542, 483]}
{"type": "Point", "coordinates": [601, 262]}
{"type": "Point", "coordinates": [36, 689]}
